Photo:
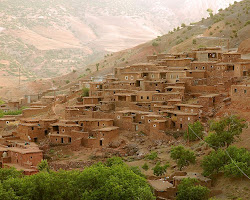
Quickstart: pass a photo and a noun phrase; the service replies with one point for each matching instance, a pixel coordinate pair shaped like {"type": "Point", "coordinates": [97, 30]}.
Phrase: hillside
{"type": "Point", "coordinates": [230, 24]}
{"type": "Point", "coordinates": [51, 38]}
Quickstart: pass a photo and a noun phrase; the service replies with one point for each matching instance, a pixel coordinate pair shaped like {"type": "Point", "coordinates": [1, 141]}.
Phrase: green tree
{"type": "Point", "coordinates": [43, 166]}
{"type": "Point", "coordinates": [194, 41]}
{"type": "Point", "coordinates": [7, 173]}
{"type": "Point", "coordinates": [182, 156]}
{"type": "Point", "coordinates": [188, 189]}
{"type": "Point", "coordinates": [107, 181]}
{"type": "Point", "coordinates": [225, 131]}
{"type": "Point", "coordinates": [85, 92]}
{"type": "Point", "coordinates": [210, 12]}
{"type": "Point", "coordinates": [196, 128]}
{"type": "Point", "coordinates": [219, 161]}
{"type": "Point", "coordinates": [160, 170]}
{"type": "Point", "coordinates": [214, 162]}
{"type": "Point", "coordinates": [183, 25]}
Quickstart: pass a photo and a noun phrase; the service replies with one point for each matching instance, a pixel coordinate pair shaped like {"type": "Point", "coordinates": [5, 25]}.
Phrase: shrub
{"type": "Point", "coordinates": [160, 170]}
{"type": "Point", "coordinates": [182, 156]}
{"type": "Point", "coordinates": [155, 44]}
{"type": "Point", "coordinates": [152, 156]}
{"type": "Point", "coordinates": [85, 92]}
{"type": "Point", "coordinates": [145, 167]}
{"type": "Point", "coordinates": [188, 189]}
{"type": "Point", "coordinates": [67, 81]}
{"type": "Point", "coordinates": [194, 41]}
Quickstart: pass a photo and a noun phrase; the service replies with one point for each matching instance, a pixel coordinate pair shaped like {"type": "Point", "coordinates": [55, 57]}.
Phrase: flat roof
{"type": "Point", "coordinates": [105, 129]}
{"type": "Point", "coordinates": [24, 151]}
{"type": "Point", "coordinates": [160, 185]}
{"type": "Point", "coordinates": [189, 105]}
{"type": "Point", "coordinates": [179, 112]}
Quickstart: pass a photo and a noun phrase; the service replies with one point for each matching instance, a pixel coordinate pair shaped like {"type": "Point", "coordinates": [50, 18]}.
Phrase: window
{"type": "Point", "coordinates": [177, 76]}
{"type": "Point", "coordinates": [218, 68]}
{"type": "Point", "coordinates": [188, 118]}
{"type": "Point", "coordinates": [126, 77]}
{"type": "Point", "coordinates": [118, 117]}
{"type": "Point", "coordinates": [245, 91]}
{"type": "Point", "coordinates": [142, 117]}
{"type": "Point", "coordinates": [171, 76]}
{"type": "Point", "coordinates": [235, 90]}
{"type": "Point", "coordinates": [32, 128]}
{"type": "Point", "coordinates": [196, 67]}
{"type": "Point", "coordinates": [147, 97]}
{"type": "Point", "coordinates": [7, 122]}
{"type": "Point", "coordinates": [30, 157]}
{"type": "Point", "coordinates": [152, 75]}
{"type": "Point", "coordinates": [63, 130]}
{"type": "Point", "coordinates": [203, 67]}
{"type": "Point", "coordinates": [154, 125]}
{"type": "Point", "coordinates": [141, 97]}
{"type": "Point", "coordinates": [212, 66]}
{"type": "Point", "coordinates": [132, 78]}
{"type": "Point", "coordinates": [149, 121]}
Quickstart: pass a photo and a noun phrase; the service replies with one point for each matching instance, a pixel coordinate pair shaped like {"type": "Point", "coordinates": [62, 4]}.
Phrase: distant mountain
{"type": "Point", "coordinates": [49, 38]}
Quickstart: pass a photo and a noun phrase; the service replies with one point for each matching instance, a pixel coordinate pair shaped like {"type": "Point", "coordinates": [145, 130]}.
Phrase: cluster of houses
{"type": "Point", "coordinates": [163, 95]}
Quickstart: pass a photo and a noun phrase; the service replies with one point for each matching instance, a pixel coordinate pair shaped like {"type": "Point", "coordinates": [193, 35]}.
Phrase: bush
{"type": "Point", "coordinates": [155, 44]}
{"type": "Point", "coordinates": [145, 167]}
{"type": "Point", "coordinates": [160, 170]}
{"type": "Point", "coordinates": [96, 182]}
{"type": "Point", "coordinates": [194, 41]}
{"type": "Point", "coordinates": [197, 128]}
{"type": "Point", "coordinates": [152, 156]}
{"type": "Point", "coordinates": [85, 92]}
{"type": "Point", "coordinates": [67, 81]}
{"type": "Point", "coordinates": [182, 156]}
{"type": "Point", "coordinates": [188, 189]}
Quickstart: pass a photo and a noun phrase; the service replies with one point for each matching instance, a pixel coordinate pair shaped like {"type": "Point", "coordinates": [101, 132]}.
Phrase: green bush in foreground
{"type": "Point", "coordinates": [103, 181]}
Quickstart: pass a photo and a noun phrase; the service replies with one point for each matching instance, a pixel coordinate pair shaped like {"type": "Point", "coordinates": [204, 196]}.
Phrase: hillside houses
{"type": "Point", "coordinates": [155, 98]}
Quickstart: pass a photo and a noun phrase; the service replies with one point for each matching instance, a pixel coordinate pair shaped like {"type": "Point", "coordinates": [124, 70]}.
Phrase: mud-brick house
{"type": "Point", "coordinates": [196, 65]}
{"type": "Point", "coordinates": [158, 108]}
{"type": "Point", "coordinates": [208, 54]}
{"type": "Point", "coordinates": [231, 57]}
{"type": "Point", "coordinates": [180, 120]}
{"type": "Point", "coordinates": [4, 122]}
{"type": "Point", "coordinates": [153, 85]}
{"type": "Point", "coordinates": [90, 124]}
{"type": "Point", "coordinates": [62, 132]}
{"type": "Point", "coordinates": [30, 131]}
{"type": "Point", "coordinates": [190, 108]}
{"type": "Point", "coordinates": [125, 119]}
{"type": "Point", "coordinates": [196, 73]}
{"type": "Point", "coordinates": [25, 159]}
{"type": "Point", "coordinates": [240, 91]}
{"type": "Point", "coordinates": [47, 99]}
{"type": "Point", "coordinates": [163, 189]}
{"type": "Point", "coordinates": [92, 100]}
{"type": "Point", "coordinates": [13, 105]}
{"type": "Point", "coordinates": [174, 76]}
{"type": "Point", "coordinates": [209, 101]}
{"type": "Point", "coordinates": [158, 128]}
{"type": "Point", "coordinates": [149, 119]}
{"type": "Point", "coordinates": [242, 69]}
{"type": "Point", "coordinates": [101, 137]}
{"type": "Point", "coordinates": [107, 106]}
{"type": "Point", "coordinates": [175, 89]}
{"type": "Point", "coordinates": [127, 97]}
{"type": "Point", "coordinates": [167, 96]}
